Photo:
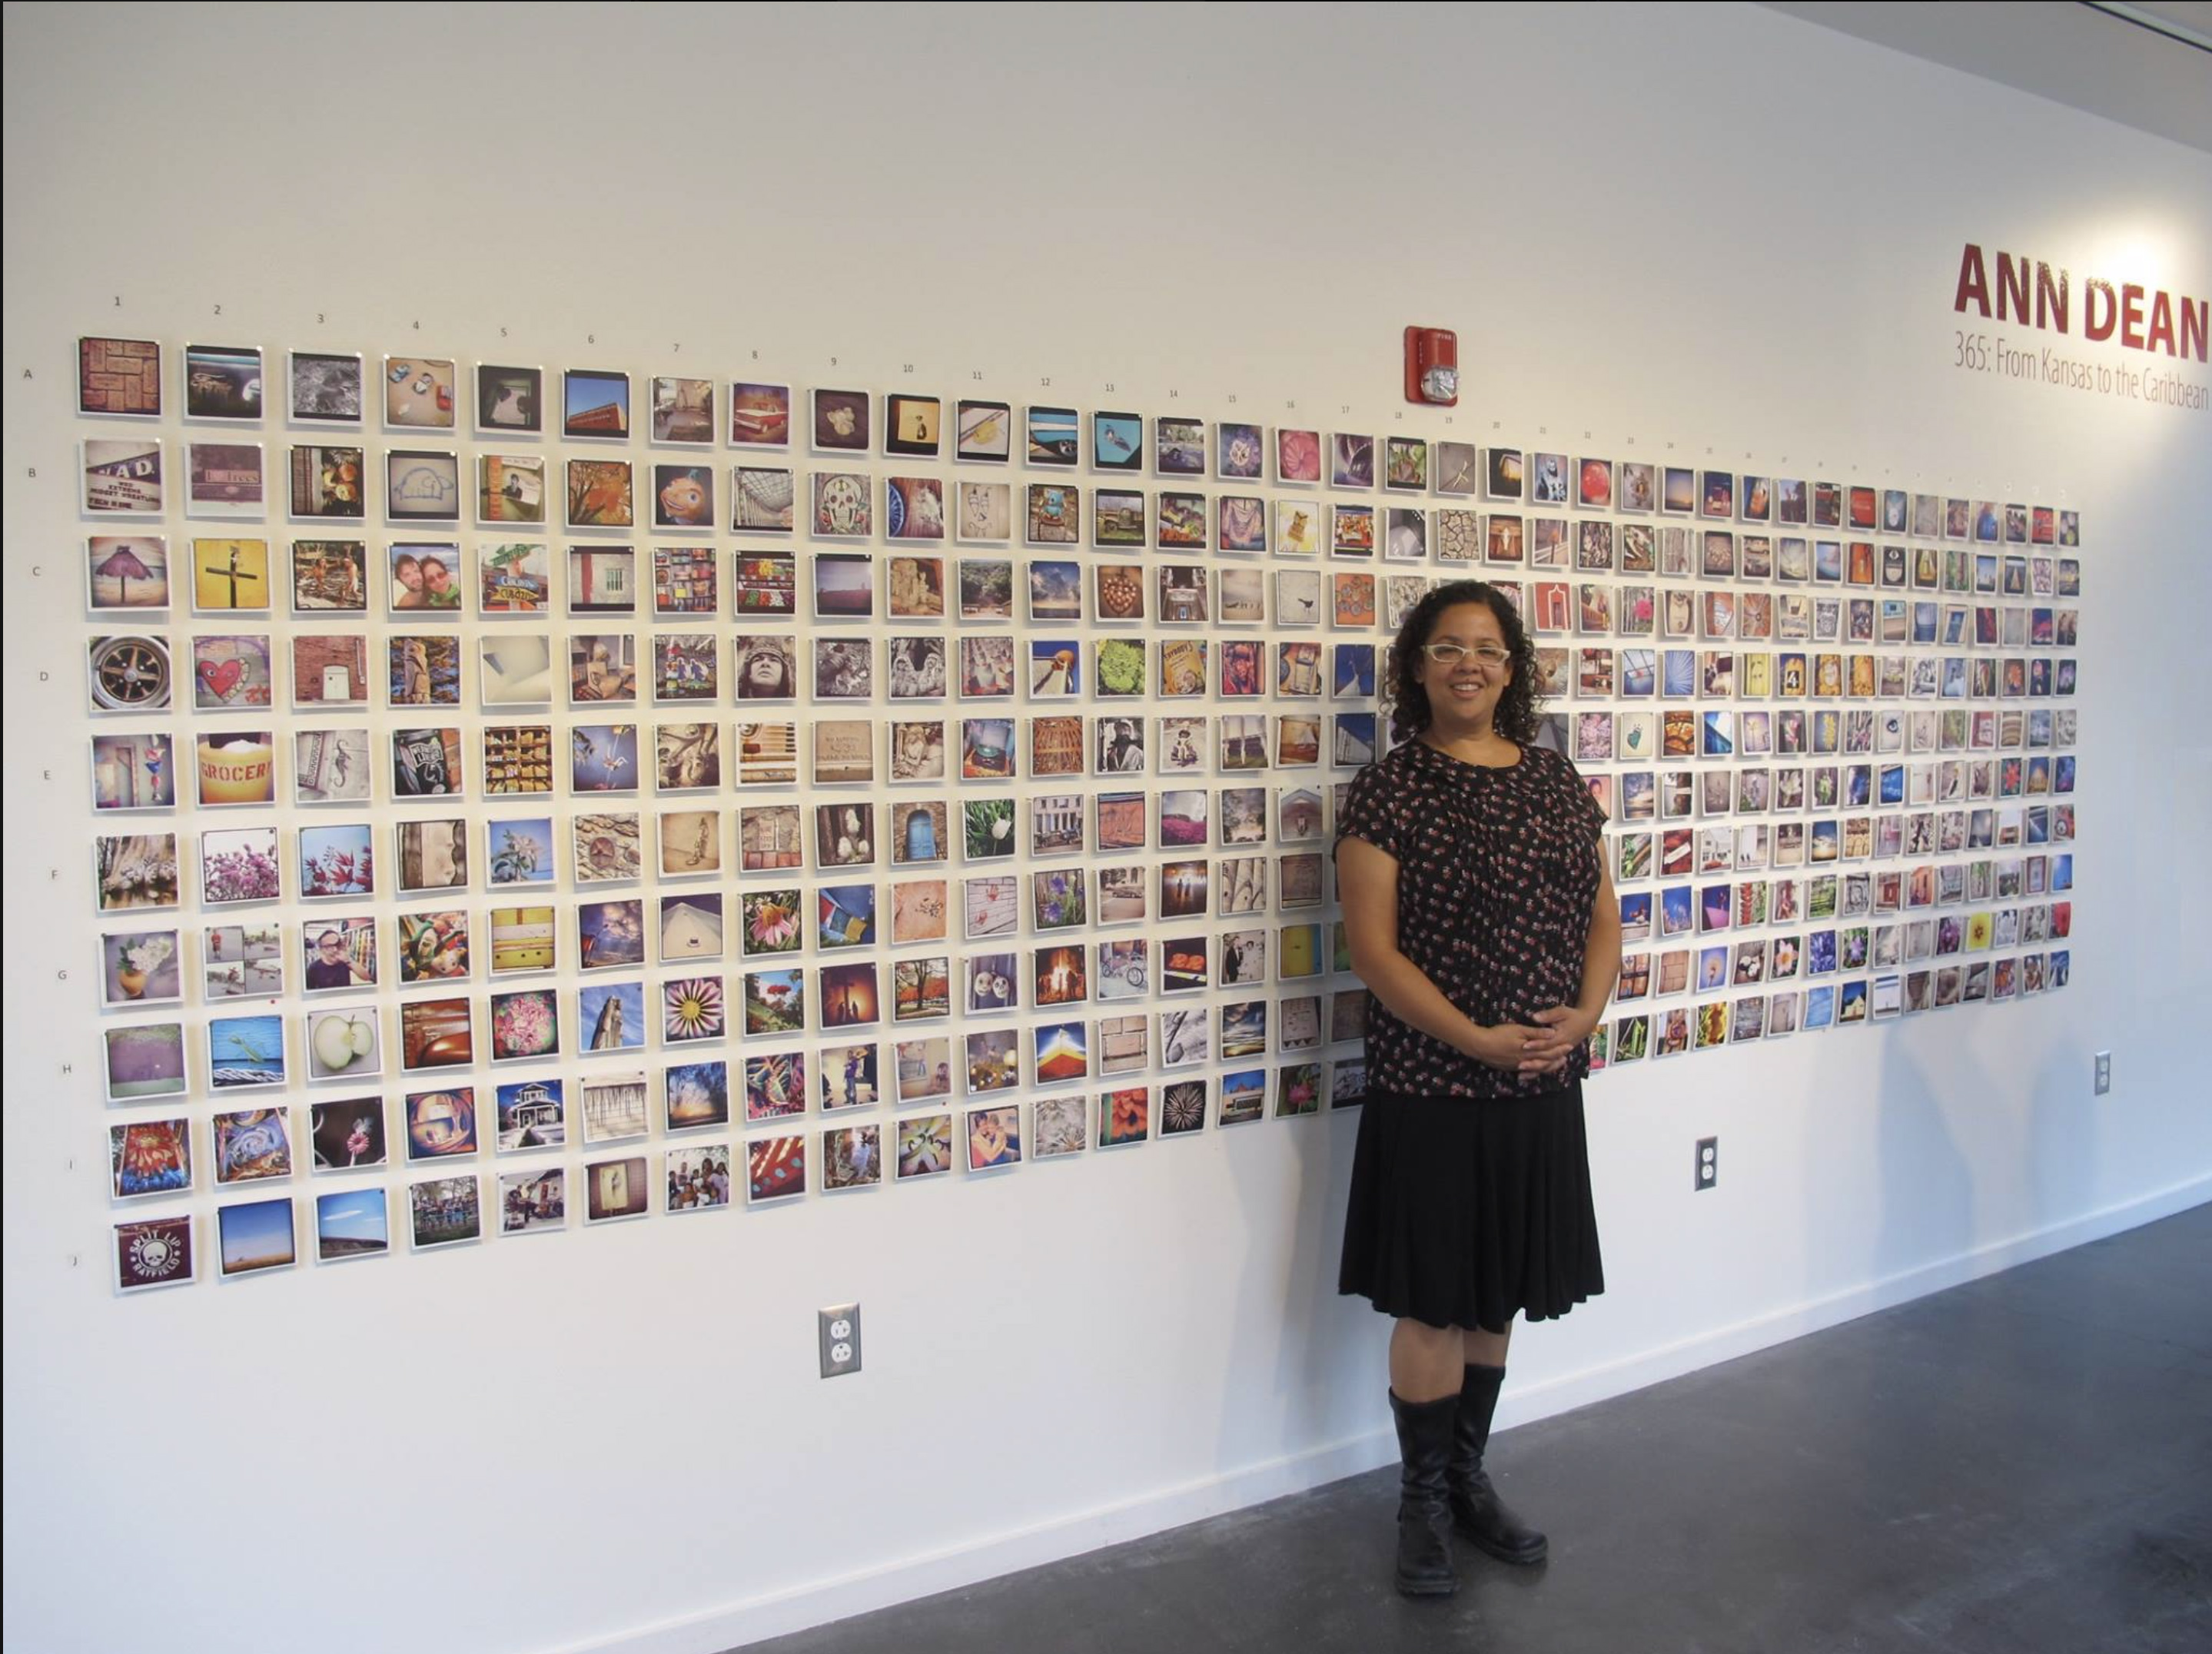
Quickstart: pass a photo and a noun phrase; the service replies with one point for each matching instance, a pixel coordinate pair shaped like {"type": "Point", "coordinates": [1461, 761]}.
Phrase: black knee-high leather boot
{"type": "Point", "coordinates": [1476, 1510]}
{"type": "Point", "coordinates": [1424, 1450]}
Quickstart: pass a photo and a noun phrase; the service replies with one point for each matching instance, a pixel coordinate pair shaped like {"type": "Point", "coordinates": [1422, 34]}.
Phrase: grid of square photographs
{"type": "Point", "coordinates": [767, 793]}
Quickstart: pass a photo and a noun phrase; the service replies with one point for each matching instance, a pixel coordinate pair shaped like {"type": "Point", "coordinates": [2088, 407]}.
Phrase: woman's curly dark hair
{"type": "Point", "coordinates": [1408, 703]}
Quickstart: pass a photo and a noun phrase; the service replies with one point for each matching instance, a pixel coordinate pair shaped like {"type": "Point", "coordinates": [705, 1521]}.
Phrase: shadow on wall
{"type": "Point", "coordinates": [2060, 1167]}
{"type": "Point", "coordinates": [1927, 1190]}
{"type": "Point", "coordinates": [1327, 1348]}
{"type": "Point", "coordinates": [1932, 1209]}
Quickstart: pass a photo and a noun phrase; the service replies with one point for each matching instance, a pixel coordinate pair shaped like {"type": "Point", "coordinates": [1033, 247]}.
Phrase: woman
{"type": "Point", "coordinates": [1482, 921]}
{"type": "Point", "coordinates": [764, 673]}
{"type": "Point", "coordinates": [439, 591]}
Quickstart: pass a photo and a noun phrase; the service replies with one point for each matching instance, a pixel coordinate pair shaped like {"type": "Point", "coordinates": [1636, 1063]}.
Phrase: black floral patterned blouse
{"type": "Point", "coordinates": [1498, 871]}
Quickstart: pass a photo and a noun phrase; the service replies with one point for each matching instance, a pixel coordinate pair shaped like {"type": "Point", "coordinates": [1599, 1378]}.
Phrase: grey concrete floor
{"type": "Point", "coordinates": [2023, 1465]}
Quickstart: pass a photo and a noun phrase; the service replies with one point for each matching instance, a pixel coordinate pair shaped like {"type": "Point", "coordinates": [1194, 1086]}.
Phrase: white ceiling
{"type": "Point", "coordinates": [2074, 54]}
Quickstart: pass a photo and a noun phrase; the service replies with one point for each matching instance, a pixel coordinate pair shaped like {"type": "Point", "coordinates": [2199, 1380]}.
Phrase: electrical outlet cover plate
{"type": "Point", "coordinates": [839, 1329]}
{"type": "Point", "coordinates": [2104, 1072]}
{"type": "Point", "coordinates": [1709, 1163]}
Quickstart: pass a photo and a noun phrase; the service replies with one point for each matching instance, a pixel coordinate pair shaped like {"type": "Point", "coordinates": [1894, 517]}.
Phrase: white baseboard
{"type": "Point", "coordinates": [859, 1593]}
{"type": "Point", "coordinates": [820, 1601]}
{"type": "Point", "coordinates": [1524, 1404]}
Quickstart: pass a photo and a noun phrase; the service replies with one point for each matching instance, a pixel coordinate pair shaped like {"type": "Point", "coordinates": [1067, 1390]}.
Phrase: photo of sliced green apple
{"type": "Point", "coordinates": [344, 1041]}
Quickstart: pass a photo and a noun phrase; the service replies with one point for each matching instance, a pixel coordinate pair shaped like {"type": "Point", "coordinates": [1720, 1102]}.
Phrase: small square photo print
{"type": "Point", "coordinates": [125, 474]}
{"type": "Point", "coordinates": [984, 431]}
{"type": "Point", "coordinates": [1238, 452]}
{"type": "Point", "coordinates": [683, 497]}
{"type": "Point", "coordinates": [257, 1235]}
{"type": "Point", "coordinates": [230, 577]}
{"type": "Point", "coordinates": [127, 571]}
{"type": "Point", "coordinates": [594, 403]}
{"type": "Point", "coordinates": [599, 494]}
{"type": "Point", "coordinates": [329, 481]}
{"type": "Point", "coordinates": [510, 398]}
{"type": "Point", "coordinates": [222, 381]}
{"type": "Point", "coordinates": [153, 1252]}
{"type": "Point", "coordinates": [683, 411]}
{"type": "Point", "coordinates": [118, 376]}
{"type": "Point", "coordinates": [1297, 459]}
{"type": "Point", "coordinates": [1050, 436]}
{"type": "Point", "coordinates": [326, 388]}
{"type": "Point", "coordinates": [760, 414]}
{"type": "Point", "coordinates": [841, 422]}
{"type": "Point", "coordinates": [421, 485]}
{"type": "Point", "coordinates": [510, 488]}
{"type": "Point", "coordinates": [1179, 447]}
{"type": "Point", "coordinates": [418, 392]}
{"type": "Point", "coordinates": [445, 1212]}
{"type": "Point", "coordinates": [1351, 460]}
{"type": "Point", "coordinates": [913, 425]}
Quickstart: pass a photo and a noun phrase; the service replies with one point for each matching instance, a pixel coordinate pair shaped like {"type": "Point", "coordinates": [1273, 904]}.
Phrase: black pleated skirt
{"type": "Point", "coordinates": [1465, 1211]}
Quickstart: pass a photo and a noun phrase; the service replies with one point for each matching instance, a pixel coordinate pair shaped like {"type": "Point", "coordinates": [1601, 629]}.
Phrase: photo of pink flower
{"type": "Point", "coordinates": [1298, 456]}
{"type": "Point", "coordinates": [772, 922]}
{"type": "Point", "coordinates": [525, 1024]}
{"type": "Point", "coordinates": [240, 865]}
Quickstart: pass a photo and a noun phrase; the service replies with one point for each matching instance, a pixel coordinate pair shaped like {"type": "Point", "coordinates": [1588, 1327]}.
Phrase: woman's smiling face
{"type": "Point", "coordinates": [1463, 694]}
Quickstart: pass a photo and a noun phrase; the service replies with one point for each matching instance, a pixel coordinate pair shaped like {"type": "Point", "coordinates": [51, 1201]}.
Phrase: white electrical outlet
{"type": "Point", "coordinates": [2104, 1072]}
{"type": "Point", "coordinates": [1709, 1163]}
{"type": "Point", "coordinates": [838, 1328]}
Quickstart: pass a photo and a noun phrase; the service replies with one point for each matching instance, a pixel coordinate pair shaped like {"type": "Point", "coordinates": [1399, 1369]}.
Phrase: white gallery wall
{"type": "Point", "coordinates": [1713, 228]}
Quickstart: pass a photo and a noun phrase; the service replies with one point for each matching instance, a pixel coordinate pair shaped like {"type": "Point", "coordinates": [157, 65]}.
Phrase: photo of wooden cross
{"type": "Point", "coordinates": [232, 573]}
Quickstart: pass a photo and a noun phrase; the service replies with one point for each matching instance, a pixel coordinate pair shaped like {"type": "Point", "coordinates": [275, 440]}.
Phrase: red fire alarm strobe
{"type": "Point", "coordinates": [1433, 367]}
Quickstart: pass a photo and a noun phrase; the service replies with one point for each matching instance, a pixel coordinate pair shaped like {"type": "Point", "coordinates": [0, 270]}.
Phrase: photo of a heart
{"type": "Point", "coordinates": [220, 676]}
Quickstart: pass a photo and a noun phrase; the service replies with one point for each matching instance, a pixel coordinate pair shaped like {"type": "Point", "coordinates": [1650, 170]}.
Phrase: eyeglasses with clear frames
{"type": "Point", "coordinates": [1450, 655]}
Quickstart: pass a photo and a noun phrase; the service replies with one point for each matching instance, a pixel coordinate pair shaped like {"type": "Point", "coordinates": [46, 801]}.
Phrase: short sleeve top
{"type": "Point", "coordinates": [1497, 873]}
